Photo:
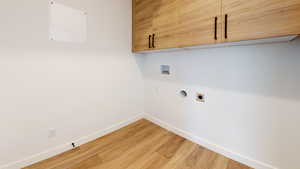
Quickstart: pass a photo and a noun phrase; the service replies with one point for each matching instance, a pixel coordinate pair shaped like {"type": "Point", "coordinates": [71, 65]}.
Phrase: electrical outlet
{"type": "Point", "coordinates": [52, 133]}
{"type": "Point", "coordinates": [156, 90]}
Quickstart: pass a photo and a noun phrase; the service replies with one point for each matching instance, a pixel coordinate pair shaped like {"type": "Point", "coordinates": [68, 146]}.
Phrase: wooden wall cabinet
{"type": "Point", "coordinates": [199, 22]}
{"type": "Point", "coordinates": [154, 24]}
{"type": "Point", "coordinates": [142, 23]}
{"type": "Point", "coordinates": [257, 19]}
{"type": "Point", "coordinates": [164, 24]}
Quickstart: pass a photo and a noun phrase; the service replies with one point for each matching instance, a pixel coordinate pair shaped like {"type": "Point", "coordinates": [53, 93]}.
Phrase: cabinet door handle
{"type": "Point", "coordinates": [226, 26]}
{"type": "Point", "coordinates": [216, 28]}
{"type": "Point", "coordinates": [149, 43]}
{"type": "Point", "coordinates": [153, 41]}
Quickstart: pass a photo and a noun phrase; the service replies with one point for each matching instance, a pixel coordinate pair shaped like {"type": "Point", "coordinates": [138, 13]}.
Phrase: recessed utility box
{"type": "Point", "coordinates": [165, 69]}
{"type": "Point", "coordinates": [67, 24]}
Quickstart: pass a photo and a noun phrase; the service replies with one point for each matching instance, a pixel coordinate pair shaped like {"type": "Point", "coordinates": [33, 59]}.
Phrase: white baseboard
{"type": "Point", "coordinates": [209, 145]}
{"type": "Point", "coordinates": [65, 147]}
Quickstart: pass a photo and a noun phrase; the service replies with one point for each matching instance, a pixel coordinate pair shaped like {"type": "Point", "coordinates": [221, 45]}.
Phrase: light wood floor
{"type": "Point", "coordinates": [141, 145]}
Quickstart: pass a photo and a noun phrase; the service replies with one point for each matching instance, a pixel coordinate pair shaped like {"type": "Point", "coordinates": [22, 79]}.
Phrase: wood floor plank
{"type": "Point", "coordinates": [141, 145]}
{"type": "Point", "coordinates": [155, 161]}
{"type": "Point", "coordinates": [236, 165]}
{"type": "Point", "coordinates": [192, 159]}
{"type": "Point", "coordinates": [169, 148]}
{"type": "Point", "coordinates": [139, 151]}
{"type": "Point", "coordinates": [221, 162]}
{"type": "Point", "coordinates": [181, 154]}
{"type": "Point", "coordinates": [150, 158]}
{"type": "Point", "coordinates": [88, 163]}
{"type": "Point", "coordinates": [207, 159]}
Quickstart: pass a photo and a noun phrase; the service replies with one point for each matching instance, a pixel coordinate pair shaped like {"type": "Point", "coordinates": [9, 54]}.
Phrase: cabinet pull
{"type": "Point", "coordinates": [216, 28]}
{"type": "Point", "coordinates": [149, 41]}
{"type": "Point", "coordinates": [226, 25]}
{"type": "Point", "coordinates": [153, 41]}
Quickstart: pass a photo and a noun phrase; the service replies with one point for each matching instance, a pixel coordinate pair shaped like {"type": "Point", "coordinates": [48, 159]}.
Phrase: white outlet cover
{"type": "Point", "coordinates": [52, 133]}
{"type": "Point", "coordinates": [67, 24]}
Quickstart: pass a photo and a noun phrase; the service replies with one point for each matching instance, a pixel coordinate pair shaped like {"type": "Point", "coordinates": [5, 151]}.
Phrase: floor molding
{"type": "Point", "coordinates": [207, 144]}
{"type": "Point", "coordinates": [65, 147]}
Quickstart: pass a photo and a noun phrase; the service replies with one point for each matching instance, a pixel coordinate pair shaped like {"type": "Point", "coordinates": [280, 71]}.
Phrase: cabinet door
{"type": "Point", "coordinates": [197, 22]}
{"type": "Point", "coordinates": [255, 19]}
{"type": "Point", "coordinates": [142, 16]}
{"type": "Point", "coordinates": [165, 21]}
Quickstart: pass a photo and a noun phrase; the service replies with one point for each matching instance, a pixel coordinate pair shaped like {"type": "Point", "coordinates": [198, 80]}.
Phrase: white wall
{"type": "Point", "coordinates": [252, 94]}
{"type": "Point", "coordinates": [78, 89]}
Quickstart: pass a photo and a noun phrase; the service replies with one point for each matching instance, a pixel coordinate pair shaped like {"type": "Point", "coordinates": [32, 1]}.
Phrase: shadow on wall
{"type": "Point", "coordinates": [268, 70]}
